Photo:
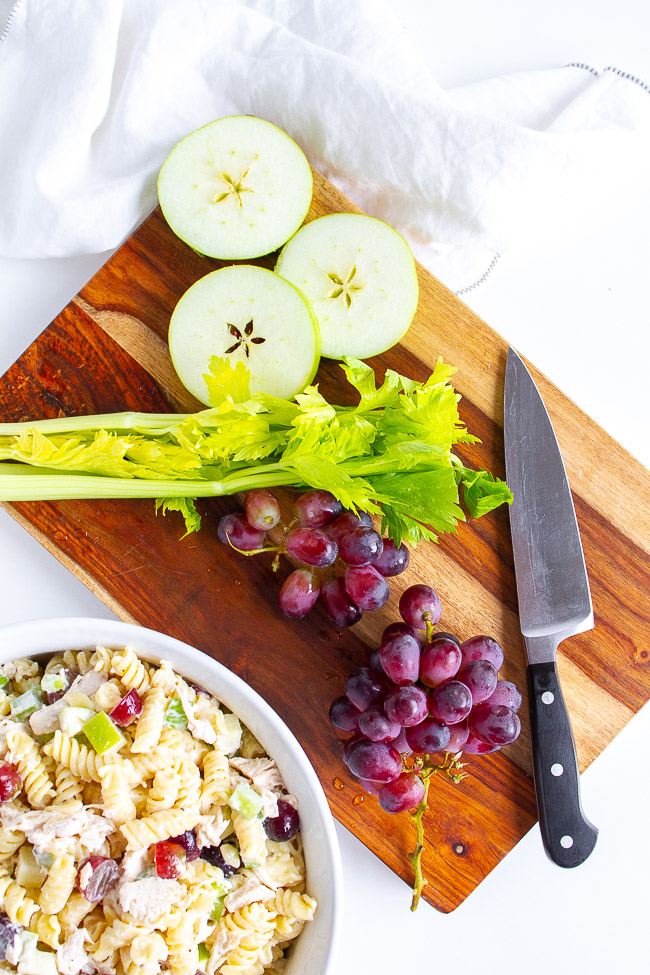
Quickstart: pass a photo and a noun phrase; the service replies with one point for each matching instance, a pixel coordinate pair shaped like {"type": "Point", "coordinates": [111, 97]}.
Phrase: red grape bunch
{"type": "Point", "coordinates": [423, 693]}
{"type": "Point", "coordinates": [320, 533]}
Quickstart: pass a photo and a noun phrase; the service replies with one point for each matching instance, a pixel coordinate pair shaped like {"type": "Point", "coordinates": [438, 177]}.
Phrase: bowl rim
{"type": "Point", "coordinates": [129, 633]}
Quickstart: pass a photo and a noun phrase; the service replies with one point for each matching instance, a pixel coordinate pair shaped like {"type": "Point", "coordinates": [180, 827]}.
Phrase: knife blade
{"type": "Point", "coordinates": [554, 603]}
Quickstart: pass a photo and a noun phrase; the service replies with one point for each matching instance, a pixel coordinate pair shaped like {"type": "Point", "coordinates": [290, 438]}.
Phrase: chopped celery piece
{"type": "Point", "coordinates": [53, 682]}
{"type": "Point", "coordinates": [26, 704]}
{"type": "Point", "coordinates": [218, 908]}
{"type": "Point", "coordinates": [204, 953]}
{"type": "Point", "coordinates": [43, 859]}
{"type": "Point", "coordinates": [102, 733]}
{"type": "Point", "coordinates": [3, 680]}
{"type": "Point", "coordinates": [72, 719]}
{"type": "Point", "coordinates": [245, 801]}
{"type": "Point", "coordinates": [175, 716]}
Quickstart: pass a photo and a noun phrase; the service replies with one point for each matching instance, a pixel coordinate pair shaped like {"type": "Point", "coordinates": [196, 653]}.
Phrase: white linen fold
{"type": "Point", "coordinates": [94, 96]}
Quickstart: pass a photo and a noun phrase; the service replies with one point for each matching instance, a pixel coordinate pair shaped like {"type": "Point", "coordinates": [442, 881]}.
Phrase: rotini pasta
{"type": "Point", "coordinates": [84, 860]}
{"type": "Point", "coordinates": [80, 759]}
{"type": "Point", "coordinates": [58, 885]}
{"type": "Point", "coordinates": [23, 753]}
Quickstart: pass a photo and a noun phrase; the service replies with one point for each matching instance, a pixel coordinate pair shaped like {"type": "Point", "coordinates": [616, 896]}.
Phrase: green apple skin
{"type": "Point", "coordinates": [188, 179]}
{"type": "Point", "coordinates": [381, 306]}
{"type": "Point", "coordinates": [231, 295]}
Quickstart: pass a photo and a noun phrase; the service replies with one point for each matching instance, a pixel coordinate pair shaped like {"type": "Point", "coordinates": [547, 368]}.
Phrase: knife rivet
{"type": "Point", "coordinates": [557, 769]}
{"type": "Point", "coordinates": [566, 842]}
{"type": "Point", "coordinates": [548, 697]}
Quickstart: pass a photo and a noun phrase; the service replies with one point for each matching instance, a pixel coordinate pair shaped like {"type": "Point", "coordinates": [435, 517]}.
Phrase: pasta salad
{"type": "Point", "coordinates": [143, 828]}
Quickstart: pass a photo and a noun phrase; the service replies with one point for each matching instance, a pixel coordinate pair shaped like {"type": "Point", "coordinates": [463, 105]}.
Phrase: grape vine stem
{"type": "Point", "coordinates": [452, 767]}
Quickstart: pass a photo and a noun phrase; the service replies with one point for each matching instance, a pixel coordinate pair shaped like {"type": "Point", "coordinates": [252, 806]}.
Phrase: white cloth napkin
{"type": "Point", "coordinates": [94, 95]}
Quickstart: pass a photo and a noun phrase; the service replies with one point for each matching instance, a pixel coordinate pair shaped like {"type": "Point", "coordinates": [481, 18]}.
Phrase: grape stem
{"type": "Point", "coordinates": [429, 626]}
{"type": "Point", "coordinates": [452, 767]}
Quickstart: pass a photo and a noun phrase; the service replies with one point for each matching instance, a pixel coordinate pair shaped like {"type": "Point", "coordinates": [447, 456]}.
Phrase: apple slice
{"type": "Point", "coordinates": [248, 314]}
{"type": "Point", "coordinates": [360, 279]}
{"type": "Point", "coordinates": [235, 189]}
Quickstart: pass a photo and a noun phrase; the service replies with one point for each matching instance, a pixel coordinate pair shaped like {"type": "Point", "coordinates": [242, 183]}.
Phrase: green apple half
{"type": "Point", "coordinates": [360, 279]}
{"type": "Point", "coordinates": [248, 314]}
{"type": "Point", "coordinates": [235, 189]}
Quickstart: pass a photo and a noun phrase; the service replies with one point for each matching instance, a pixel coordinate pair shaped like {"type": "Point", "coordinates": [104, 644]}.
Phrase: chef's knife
{"type": "Point", "coordinates": [554, 603]}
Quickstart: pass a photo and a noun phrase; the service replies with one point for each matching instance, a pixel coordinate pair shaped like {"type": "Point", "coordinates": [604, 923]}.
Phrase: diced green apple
{"type": "Point", "coordinates": [236, 188]}
{"type": "Point", "coordinates": [245, 314]}
{"type": "Point", "coordinates": [359, 277]}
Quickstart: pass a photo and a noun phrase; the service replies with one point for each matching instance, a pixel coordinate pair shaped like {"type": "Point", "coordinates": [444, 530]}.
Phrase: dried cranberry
{"type": "Point", "coordinates": [283, 826]}
{"type": "Point", "coordinates": [10, 783]}
{"type": "Point", "coordinates": [188, 842]}
{"type": "Point", "coordinates": [169, 859]}
{"type": "Point", "coordinates": [129, 708]}
{"type": "Point", "coordinates": [103, 875]}
{"type": "Point", "coordinates": [214, 856]}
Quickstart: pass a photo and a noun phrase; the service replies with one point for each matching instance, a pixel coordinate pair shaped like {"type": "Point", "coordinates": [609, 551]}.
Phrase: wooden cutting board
{"type": "Point", "coordinates": [107, 351]}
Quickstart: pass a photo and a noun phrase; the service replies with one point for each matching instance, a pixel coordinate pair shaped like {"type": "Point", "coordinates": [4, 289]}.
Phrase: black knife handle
{"type": "Point", "coordinates": [568, 835]}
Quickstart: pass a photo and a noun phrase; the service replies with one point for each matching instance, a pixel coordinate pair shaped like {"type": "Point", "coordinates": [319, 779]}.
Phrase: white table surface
{"type": "Point", "coordinates": [560, 309]}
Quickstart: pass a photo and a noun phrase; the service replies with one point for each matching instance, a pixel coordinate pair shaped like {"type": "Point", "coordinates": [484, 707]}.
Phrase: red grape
{"type": "Point", "coordinates": [440, 662]}
{"type": "Point", "coordinates": [234, 530]}
{"type": "Point", "coordinates": [441, 635]}
{"type": "Point", "coordinates": [102, 876]}
{"type": "Point", "coordinates": [214, 856]}
{"type": "Point", "coordinates": [311, 546]}
{"type": "Point", "coordinates": [364, 688]}
{"type": "Point", "coordinates": [398, 629]}
{"type": "Point", "coordinates": [349, 745]}
{"type": "Point", "coordinates": [419, 605]}
{"type": "Point", "coordinates": [285, 825]}
{"type": "Point", "coordinates": [375, 661]}
{"type": "Point", "coordinates": [344, 715]}
{"type": "Point", "coordinates": [507, 694]}
{"type": "Point", "coordinates": [317, 508]}
{"type": "Point", "coordinates": [8, 933]}
{"type": "Point", "coordinates": [404, 792]}
{"type": "Point", "coordinates": [474, 746]}
{"type": "Point", "coordinates": [262, 509]}
{"type": "Point", "coordinates": [406, 705]}
{"type": "Point", "coordinates": [337, 604]}
{"type": "Point", "coordinates": [299, 593]}
{"type": "Point", "coordinates": [401, 744]}
{"type": "Point", "coordinates": [347, 522]}
{"type": "Point", "coordinates": [188, 841]}
{"type": "Point", "coordinates": [481, 678]}
{"type": "Point", "coordinates": [428, 736]}
{"type": "Point", "coordinates": [482, 648]}
{"type": "Point", "coordinates": [458, 735]}
{"type": "Point", "coordinates": [366, 587]}
{"type": "Point", "coordinates": [169, 859]}
{"type": "Point", "coordinates": [51, 697]}
{"type": "Point", "coordinates": [376, 760]}
{"type": "Point", "coordinates": [393, 559]}
{"type": "Point", "coordinates": [400, 659]}
{"type": "Point", "coordinates": [451, 702]}
{"type": "Point", "coordinates": [496, 725]}
{"type": "Point", "coordinates": [361, 546]}
{"type": "Point", "coordinates": [376, 726]}
{"type": "Point", "coordinates": [10, 783]}
{"type": "Point", "coordinates": [128, 709]}
{"type": "Point", "coordinates": [371, 787]}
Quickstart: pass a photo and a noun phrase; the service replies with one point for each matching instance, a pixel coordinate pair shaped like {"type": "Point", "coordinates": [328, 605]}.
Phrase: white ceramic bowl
{"type": "Point", "coordinates": [313, 953]}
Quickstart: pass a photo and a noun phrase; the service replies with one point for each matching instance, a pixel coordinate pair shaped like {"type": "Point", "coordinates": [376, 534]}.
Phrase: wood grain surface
{"type": "Point", "coordinates": [107, 351]}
